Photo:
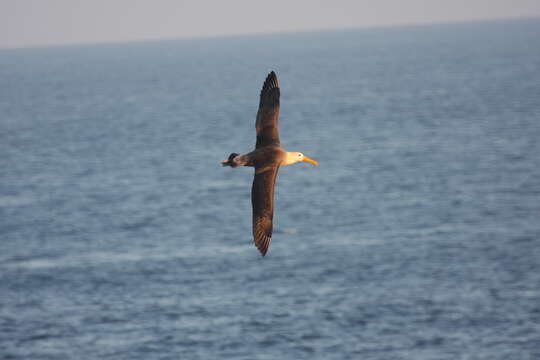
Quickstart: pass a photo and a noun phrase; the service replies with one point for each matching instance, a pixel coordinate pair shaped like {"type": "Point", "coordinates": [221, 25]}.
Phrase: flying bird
{"type": "Point", "coordinates": [267, 158]}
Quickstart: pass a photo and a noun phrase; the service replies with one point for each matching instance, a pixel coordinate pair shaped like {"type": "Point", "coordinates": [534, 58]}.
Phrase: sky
{"type": "Point", "coordinates": [25, 23]}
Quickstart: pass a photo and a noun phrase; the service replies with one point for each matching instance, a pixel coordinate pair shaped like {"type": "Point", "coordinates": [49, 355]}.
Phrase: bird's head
{"type": "Point", "coordinates": [294, 157]}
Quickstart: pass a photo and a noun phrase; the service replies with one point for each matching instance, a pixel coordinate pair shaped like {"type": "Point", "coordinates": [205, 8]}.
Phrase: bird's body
{"type": "Point", "coordinates": [267, 158]}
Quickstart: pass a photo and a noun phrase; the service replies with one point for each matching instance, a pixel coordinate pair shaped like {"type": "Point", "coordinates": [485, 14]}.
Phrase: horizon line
{"type": "Point", "coordinates": [268, 33]}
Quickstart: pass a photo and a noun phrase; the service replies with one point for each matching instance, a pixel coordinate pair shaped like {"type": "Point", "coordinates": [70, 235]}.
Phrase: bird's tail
{"type": "Point", "coordinates": [230, 161]}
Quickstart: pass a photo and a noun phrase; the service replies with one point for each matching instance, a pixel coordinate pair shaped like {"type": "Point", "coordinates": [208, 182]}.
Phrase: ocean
{"type": "Point", "coordinates": [417, 236]}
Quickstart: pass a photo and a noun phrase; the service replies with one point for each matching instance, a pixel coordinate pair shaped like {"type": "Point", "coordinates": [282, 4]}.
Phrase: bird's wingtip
{"type": "Point", "coordinates": [263, 251]}
{"type": "Point", "coordinates": [271, 81]}
{"type": "Point", "coordinates": [270, 91]}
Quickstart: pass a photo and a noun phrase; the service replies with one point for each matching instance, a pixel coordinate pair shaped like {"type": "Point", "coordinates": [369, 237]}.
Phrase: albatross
{"type": "Point", "coordinates": [267, 158]}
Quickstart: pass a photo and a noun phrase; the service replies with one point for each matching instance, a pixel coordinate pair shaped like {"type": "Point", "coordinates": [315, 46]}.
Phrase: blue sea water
{"type": "Point", "coordinates": [417, 237]}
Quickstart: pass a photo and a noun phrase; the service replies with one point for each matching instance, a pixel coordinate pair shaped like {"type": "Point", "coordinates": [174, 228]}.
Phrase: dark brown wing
{"type": "Point", "coordinates": [268, 114]}
{"type": "Point", "coordinates": [262, 201]}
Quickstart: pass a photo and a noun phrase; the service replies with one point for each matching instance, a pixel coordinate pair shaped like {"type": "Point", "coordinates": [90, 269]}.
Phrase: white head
{"type": "Point", "coordinates": [294, 157]}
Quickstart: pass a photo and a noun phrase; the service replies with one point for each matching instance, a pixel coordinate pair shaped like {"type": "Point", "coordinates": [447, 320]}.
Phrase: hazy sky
{"type": "Point", "coordinates": [43, 22]}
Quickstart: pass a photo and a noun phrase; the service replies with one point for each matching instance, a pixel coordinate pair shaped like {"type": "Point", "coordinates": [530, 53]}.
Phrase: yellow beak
{"type": "Point", "coordinates": [311, 161]}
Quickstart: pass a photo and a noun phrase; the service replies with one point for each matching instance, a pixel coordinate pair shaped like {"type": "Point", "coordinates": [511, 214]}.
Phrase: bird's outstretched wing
{"type": "Point", "coordinates": [268, 113]}
{"type": "Point", "coordinates": [262, 201]}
